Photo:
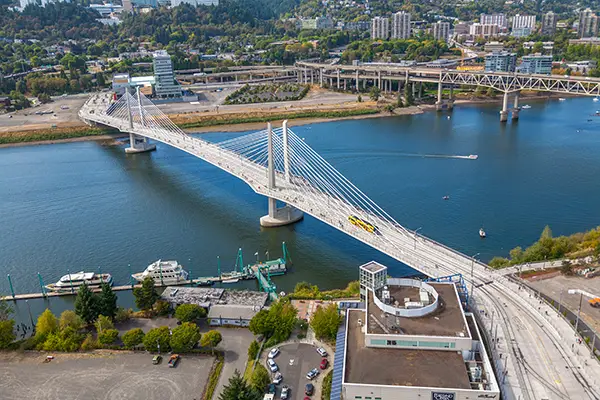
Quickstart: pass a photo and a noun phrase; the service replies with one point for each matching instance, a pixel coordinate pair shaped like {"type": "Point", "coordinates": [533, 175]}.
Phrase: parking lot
{"type": "Point", "coordinates": [294, 361]}
{"type": "Point", "coordinates": [101, 375]}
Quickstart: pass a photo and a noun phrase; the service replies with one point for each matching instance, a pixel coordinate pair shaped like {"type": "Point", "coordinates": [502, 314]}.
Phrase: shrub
{"type": "Point", "coordinates": [253, 350]}
{"type": "Point", "coordinates": [185, 337]}
{"type": "Point", "coordinates": [89, 343]}
{"type": "Point", "coordinates": [68, 319]}
{"type": "Point", "coordinates": [162, 307]}
{"type": "Point", "coordinates": [108, 336]}
{"type": "Point", "coordinates": [133, 337]}
{"type": "Point", "coordinates": [123, 314]}
{"type": "Point", "coordinates": [103, 323]}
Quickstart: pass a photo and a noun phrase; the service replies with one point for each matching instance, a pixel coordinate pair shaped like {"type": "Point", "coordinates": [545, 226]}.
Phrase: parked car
{"type": "Point", "coordinates": [274, 352]}
{"type": "Point", "coordinates": [271, 389]}
{"type": "Point", "coordinates": [324, 363]}
{"type": "Point", "coordinates": [174, 360]}
{"type": "Point", "coordinates": [321, 351]}
{"type": "Point", "coordinates": [285, 393]}
{"type": "Point", "coordinates": [309, 389]}
{"type": "Point", "coordinates": [278, 378]}
{"type": "Point", "coordinates": [156, 359]}
{"type": "Point", "coordinates": [312, 374]}
{"type": "Point", "coordinates": [272, 365]}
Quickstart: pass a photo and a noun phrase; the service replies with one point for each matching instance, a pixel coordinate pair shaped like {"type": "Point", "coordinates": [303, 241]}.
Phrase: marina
{"type": "Point", "coordinates": [173, 272]}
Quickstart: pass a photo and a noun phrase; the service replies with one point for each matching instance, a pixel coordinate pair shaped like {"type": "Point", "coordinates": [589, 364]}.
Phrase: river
{"type": "Point", "coordinates": [81, 206]}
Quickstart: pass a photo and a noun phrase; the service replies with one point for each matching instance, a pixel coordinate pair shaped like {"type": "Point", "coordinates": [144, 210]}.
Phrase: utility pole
{"type": "Point", "coordinates": [472, 267]}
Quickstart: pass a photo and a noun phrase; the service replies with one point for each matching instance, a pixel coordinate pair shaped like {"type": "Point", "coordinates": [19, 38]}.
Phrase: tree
{"type": "Point", "coordinates": [374, 93]}
{"type": "Point", "coordinates": [399, 101]}
{"type": "Point", "coordinates": [490, 92]}
{"type": "Point", "coordinates": [123, 314]}
{"type": "Point", "coordinates": [189, 312]}
{"type": "Point", "coordinates": [162, 308]}
{"type": "Point", "coordinates": [277, 323]}
{"type": "Point", "coordinates": [46, 324]}
{"type": "Point", "coordinates": [185, 337]}
{"type": "Point", "coordinates": [108, 336]}
{"type": "Point", "coordinates": [359, 98]}
{"type": "Point", "coordinates": [68, 319]}
{"type": "Point", "coordinates": [44, 98]}
{"type": "Point", "coordinates": [253, 350]}
{"type": "Point", "coordinates": [145, 296]}
{"type": "Point", "coordinates": [211, 339]}
{"type": "Point", "coordinates": [566, 268]}
{"type": "Point", "coordinates": [7, 333]}
{"type": "Point", "coordinates": [238, 389]}
{"type": "Point", "coordinates": [86, 304]}
{"type": "Point", "coordinates": [516, 255]}
{"type": "Point", "coordinates": [5, 310]}
{"type": "Point", "coordinates": [100, 81]}
{"type": "Point", "coordinates": [499, 262]}
{"type": "Point", "coordinates": [108, 301]}
{"type": "Point", "coordinates": [409, 100]}
{"type": "Point", "coordinates": [160, 336]}
{"type": "Point", "coordinates": [546, 233]}
{"type": "Point", "coordinates": [88, 343]}
{"type": "Point", "coordinates": [103, 323]}
{"type": "Point", "coordinates": [325, 321]}
{"type": "Point", "coordinates": [260, 378]}
{"type": "Point", "coordinates": [133, 337]}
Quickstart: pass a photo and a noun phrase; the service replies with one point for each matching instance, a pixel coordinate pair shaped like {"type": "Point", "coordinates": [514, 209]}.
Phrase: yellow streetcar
{"type": "Point", "coordinates": [367, 226]}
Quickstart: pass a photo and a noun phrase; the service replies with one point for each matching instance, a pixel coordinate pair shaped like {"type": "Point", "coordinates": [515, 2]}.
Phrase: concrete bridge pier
{"type": "Point", "coordinates": [287, 214]}
{"type": "Point", "coordinates": [137, 144]}
{"type": "Point", "coordinates": [516, 109]}
{"type": "Point", "coordinates": [439, 104]}
{"type": "Point", "coordinates": [504, 111]}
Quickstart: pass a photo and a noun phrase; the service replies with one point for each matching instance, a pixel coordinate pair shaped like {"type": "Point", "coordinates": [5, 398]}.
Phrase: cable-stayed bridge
{"type": "Point", "coordinates": [278, 164]}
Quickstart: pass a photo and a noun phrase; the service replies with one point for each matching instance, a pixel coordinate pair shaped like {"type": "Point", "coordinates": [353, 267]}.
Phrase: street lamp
{"type": "Point", "coordinates": [472, 266]}
{"type": "Point", "coordinates": [415, 235]}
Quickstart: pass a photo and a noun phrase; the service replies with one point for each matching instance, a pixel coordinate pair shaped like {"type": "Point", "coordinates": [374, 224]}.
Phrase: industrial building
{"type": "Point", "coordinates": [500, 61]}
{"type": "Point", "coordinates": [411, 341]}
{"type": "Point", "coordinates": [166, 86]}
{"type": "Point", "coordinates": [224, 307]}
{"type": "Point", "coordinates": [536, 64]}
{"type": "Point", "coordinates": [401, 25]}
{"type": "Point", "coordinates": [380, 28]}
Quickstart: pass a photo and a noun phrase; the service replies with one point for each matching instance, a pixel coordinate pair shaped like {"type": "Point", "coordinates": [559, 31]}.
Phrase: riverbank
{"type": "Point", "coordinates": [229, 122]}
{"type": "Point", "coordinates": [245, 118]}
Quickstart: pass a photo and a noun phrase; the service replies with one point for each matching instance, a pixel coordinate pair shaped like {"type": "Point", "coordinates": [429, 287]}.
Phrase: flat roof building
{"type": "Point", "coordinates": [401, 25]}
{"type": "Point", "coordinates": [536, 64]}
{"type": "Point", "coordinates": [549, 21]}
{"type": "Point", "coordinates": [380, 28]}
{"type": "Point", "coordinates": [441, 30]}
{"type": "Point", "coordinates": [500, 61]}
{"type": "Point", "coordinates": [166, 86]}
{"type": "Point", "coordinates": [413, 340]}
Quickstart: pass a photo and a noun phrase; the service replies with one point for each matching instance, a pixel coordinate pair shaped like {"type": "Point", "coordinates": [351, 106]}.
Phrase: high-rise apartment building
{"type": "Point", "coordinates": [549, 24]}
{"type": "Point", "coordinates": [484, 30]}
{"type": "Point", "coordinates": [401, 25]}
{"type": "Point", "coordinates": [523, 21]}
{"type": "Point", "coordinates": [441, 30]}
{"type": "Point", "coordinates": [165, 86]}
{"type": "Point", "coordinates": [501, 61]}
{"type": "Point", "coordinates": [42, 3]}
{"type": "Point", "coordinates": [494, 19]}
{"type": "Point", "coordinates": [588, 24]}
{"type": "Point", "coordinates": [380, 28]}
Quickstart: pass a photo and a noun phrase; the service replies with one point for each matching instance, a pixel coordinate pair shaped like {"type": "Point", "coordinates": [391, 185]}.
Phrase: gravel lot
{"type": "Point", "coordinates": [101, 375]}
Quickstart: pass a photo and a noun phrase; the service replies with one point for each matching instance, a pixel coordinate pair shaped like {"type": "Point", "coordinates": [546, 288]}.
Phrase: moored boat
{"type": "Point", "coordinates": [482, 233]}
{"type": "Point", "coordinates": [73, 281]}
{"type": "Point", "coordinates": [165, 272]}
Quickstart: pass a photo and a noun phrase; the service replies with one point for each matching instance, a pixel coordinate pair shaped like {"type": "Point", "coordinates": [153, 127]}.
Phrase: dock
{"type": "Point", "coordinates": [261, 271]}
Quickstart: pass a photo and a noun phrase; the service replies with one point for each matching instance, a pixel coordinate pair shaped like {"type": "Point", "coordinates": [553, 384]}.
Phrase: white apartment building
{"type": "Point", "coordinates": [494, 19]}
{"type": "Point", "coordinates": [380, 28]}
{"type": "Point", "coordinates": [165, 79]}
{"type": "Point", "coordinates": [523, 21]}
{"type": "Point", "coordinates": [484, 30]}
{"type": "Point", "coordinates": [401, 25]}
{"type": "Point", "coordinates": [441, 30]}
{"type": "Point", "coordinates": [42, 3]}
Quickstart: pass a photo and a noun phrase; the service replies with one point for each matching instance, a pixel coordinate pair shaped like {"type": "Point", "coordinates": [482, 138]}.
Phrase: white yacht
{"type": "Point", "coordinates": [73, 281]}
{"type": "Point", "coordinates": [482, 233]}
{"type": "Point", "coordinates": [165, 272]}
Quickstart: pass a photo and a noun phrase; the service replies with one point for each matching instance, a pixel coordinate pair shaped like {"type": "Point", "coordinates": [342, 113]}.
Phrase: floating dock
{"type": "Point", "coordinates": [261, 271]}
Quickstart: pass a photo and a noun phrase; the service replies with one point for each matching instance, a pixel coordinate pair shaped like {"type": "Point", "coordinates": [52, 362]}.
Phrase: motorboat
{"type": "Point", "coordinates": [165, 272]}
{"type": "Point", "coordinates": [526, 106]}
{"type": "Point", "coordinates": [596, 99]}
{"type": "Point", "coordinates": [71, 282]}
{"type": "Point", "coordinates": [473, 157]}
{"type": "Point", "coordinates": [561, 99]}
{"type": "Point", "coordinates": [446, 197]}
{"type": "Point", "coordinates": [482, 233]}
